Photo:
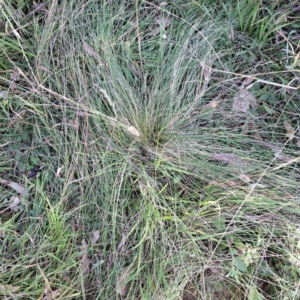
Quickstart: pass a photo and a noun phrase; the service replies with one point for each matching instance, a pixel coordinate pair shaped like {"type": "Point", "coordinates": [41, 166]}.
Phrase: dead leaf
{"type": "Point", "coordinates": [122, 243]}
{"type": "Point", "coordinates": [212, 104]}
{"type": "Point", "coordinates": [232, 183]}
{"type": "Point", "coordinates": [296, 59]}
{"type": "Point", "coordinates": [96, 236]}
{"type": "Point", "coordinates": [81, 11]}
{"type": "Point", "coordinates": [290, 132]}
{"type": "Point", "coordinates": [225, 157]}
{"type": "Point", "coordinates": [257, 136]}
{"type": "Point", "coordinates": [31, 91]}
{"type": "Point", "coordinates": [84, 246]}
{"type": "Point", "coordinates": [154, 32]}
{"type": "Point", "coordinates": [206, 71]}
{"type": "Point", "coordinates": [90, 51]}
{"type": "Point", "coordinates": [247, 81]}
{"type": "Point", "coordinates": [8, 288]}
{"type": "Point", "coordinates": [15, 75]}
{"type": "Point", "coordinates": [85, 266]}
{"type": "Point", "coordinates": [240, 105]}
{"type": "Point", "coordinates": [283, 157]}
{"type": "Point", "coordinates": [133, 131]}
{"type": "Point", "coordinates": [14, 205]}
{"type": "Point", "coordinates": [59, 171]}
{"type": "Point", "coordinates": [45, 69]}
{"type": "Point", "coordinates": [17, 187]}
{"type": "Point", "coordinates": [53, 295]}
{"type": "Point", "coordinates": [74, 124]}
{"type": "Point", "coordinates": [3, 94]}
{"type": "Point", "coordinates": [163, 21]}
{"type": "Point", "coordinates": [38, 7]}
{"type": "Point", "coordinates": [231, 33]}
{"type": "Point", "coordinates": [298, 143]}
{"type": "Point", "coordinates": [5, 213]}
{"type": "Point", "coordinates": [2, 234]}
{"type": "Point", "coordinates": [215, 103]}
{"type": "Point", "coordinates": [256, 185]}
{"type": "Point", "coordinates": [244, 178]}
{"type": "Point", "coordinates": [85, 262]}
{"type": "Point", "coordinates": [252, 100]}
{"type": "Point", "coordinates": [121, 282]}
{"type": "Point", "coordinates": [16, 34]}
{"type": "Point", "coordinates": [81, 114]}
{"type": "Point", "coordinates": [242, 100]}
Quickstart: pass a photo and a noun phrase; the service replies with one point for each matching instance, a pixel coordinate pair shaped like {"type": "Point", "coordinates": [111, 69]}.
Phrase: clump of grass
{"type": "Point", "coordinates": [153, 185]}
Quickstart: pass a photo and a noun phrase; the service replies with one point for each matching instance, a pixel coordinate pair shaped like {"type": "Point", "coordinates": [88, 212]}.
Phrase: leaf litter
{"type": "Point", "coordinates": [163, 23]}
{"type": "Point", "coordinates": [14, 205]}
{"type": "Point", "coordinates": [95, 237]}
{"type": "Point", "coordinates": [290, 132]}
{"type": "Point", "coordinates": [225, 157]}
{"type": "Point", "coordinates": [9, 288]}
{"type": "Point", "coordinates": [55, 294]}
{"type": "Point", "coordinates": [39, 7]}
{"type": "Point", "coordinates": [58, 172]}
{"type": "Point", "coordinates": [122, 242]}
{"type": "Point", "coordinates": [85, 262]}
{"type": "Point", "coordinates": [73, 123]}
{"type": "Point", "coordinates": [17, 187]}
{"type": "Point", "coordinates": [244, 178]}
{"type": "Point", "coordinates": [132, 130]}
{"type": "Point", "coordinates": [243, 99]}
{"type": "Point", "coordinates": [91, 51]}
{"type": "Point", "coordinates": [121, 286]}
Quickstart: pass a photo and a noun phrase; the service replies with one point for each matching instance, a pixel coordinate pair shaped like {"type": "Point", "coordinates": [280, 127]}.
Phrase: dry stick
{"type": "Point", "coordinates": [254, 76]}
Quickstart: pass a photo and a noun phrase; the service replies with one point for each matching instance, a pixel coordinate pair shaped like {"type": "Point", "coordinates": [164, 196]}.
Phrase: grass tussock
{"type": "Point", "coordinates": [158, 146]}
